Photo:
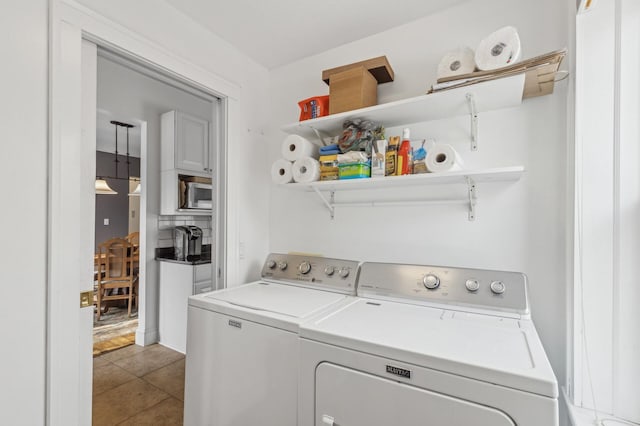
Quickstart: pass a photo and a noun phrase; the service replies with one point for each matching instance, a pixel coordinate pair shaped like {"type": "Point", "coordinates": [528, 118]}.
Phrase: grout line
{"type": "Point", "coordinates": [148, 408]}
{"type": "Point", "coordinates": [155, 405]}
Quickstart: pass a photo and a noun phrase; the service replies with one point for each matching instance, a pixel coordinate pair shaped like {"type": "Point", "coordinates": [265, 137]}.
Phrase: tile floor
{"type": "Point", "coordinates": [138, 386]}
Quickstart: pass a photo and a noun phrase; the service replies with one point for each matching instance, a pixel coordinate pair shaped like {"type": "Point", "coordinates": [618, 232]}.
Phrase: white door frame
{"type": "Point", "coordinates": [71, 166]}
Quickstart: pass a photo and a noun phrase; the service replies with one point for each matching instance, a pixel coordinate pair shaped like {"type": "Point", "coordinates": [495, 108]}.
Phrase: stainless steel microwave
{"type": "Point", "coordinates": [199, 196]}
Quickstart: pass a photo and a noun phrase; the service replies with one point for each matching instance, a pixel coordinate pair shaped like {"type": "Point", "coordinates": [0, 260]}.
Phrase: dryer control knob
{"type": "Point", "coordinates": [271, 264]}
{"type": "Point", "coordinates": [329, 270]}
{"type": "Point", "coordinates": [431, 281]}
{"type": "Point", "coordinates": [472, 285]}
{"type": "Point", "coordinates": [344, 272]}
{"type": "Point", "coordinates": [497, 287]}
{"type": "Point", "coordinates": [282, 265]}
{"type": "Point", "coordinates": [304, 267]}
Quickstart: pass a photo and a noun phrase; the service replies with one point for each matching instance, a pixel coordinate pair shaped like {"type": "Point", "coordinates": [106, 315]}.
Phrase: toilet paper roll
{"type": "Point", "coordinates": [281, 171]}
{"type": "Point", "coordinates": [443, 158]}
{"type": "Point", "coordinates": [498, 49]}
{"type": "Point", "coordinates": [306, 170]}
{"type": "Point", "coordinates": [457, 62]}
{"type": "Point", "coordinates": [295, 147]}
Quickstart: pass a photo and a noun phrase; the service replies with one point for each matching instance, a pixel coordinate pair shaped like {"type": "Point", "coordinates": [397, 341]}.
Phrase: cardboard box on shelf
{"type": "Point", "coordinates": [355, 85]}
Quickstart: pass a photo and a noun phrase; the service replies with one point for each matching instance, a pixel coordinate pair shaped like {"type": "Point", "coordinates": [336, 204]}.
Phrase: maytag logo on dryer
{"type": "Point", "coordinates": [399, 371]}
{"type": "Point", "coordinates": [236, 324]}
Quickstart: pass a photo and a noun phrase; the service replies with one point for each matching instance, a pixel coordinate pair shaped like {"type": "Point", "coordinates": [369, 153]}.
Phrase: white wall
{"type": "Point", "coordinates": [23, 35]}
{"type": "Point", "coordinates": [519, 227]}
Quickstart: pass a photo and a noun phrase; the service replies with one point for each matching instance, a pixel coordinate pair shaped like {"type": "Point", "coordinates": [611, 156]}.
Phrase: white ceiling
{"type": "Point", "coordinates": [278, 32]}
{"type": "Point", "coordinates": [106, 134]}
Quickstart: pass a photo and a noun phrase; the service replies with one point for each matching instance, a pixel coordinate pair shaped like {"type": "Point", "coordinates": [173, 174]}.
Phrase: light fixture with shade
{"type": "Point", "coordinates": [136, 191]}
{"type": "Point", "coordinates": [101, 185]}
{"type": "Point", "coordinates": [103, 188]}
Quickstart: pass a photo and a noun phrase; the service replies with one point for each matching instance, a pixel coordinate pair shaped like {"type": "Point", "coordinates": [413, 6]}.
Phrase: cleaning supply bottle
{"type": "Point", "coordinates": [391, 157]}
{"type": "Point", "coordinates": [404, 154]}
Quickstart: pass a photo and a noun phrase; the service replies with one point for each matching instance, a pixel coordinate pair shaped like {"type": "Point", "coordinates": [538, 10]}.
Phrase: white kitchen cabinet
{"type": "Point", "coordinates": [178, 281]}
{"type": "Point", "coordinates": [185, 143]}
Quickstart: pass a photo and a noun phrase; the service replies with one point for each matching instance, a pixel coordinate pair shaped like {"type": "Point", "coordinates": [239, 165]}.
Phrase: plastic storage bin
{"type": "Point", "coordinates": [354, 170]}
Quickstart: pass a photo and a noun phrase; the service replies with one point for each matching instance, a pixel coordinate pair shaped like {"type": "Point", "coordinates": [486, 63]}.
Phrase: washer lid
{"type": "Point", "coordinates": [499, 350]}
{"type": "Point", "coordinates": [291, 301]}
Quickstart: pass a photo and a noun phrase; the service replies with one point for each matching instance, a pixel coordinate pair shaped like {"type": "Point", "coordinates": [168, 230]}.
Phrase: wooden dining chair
{"type": "Point", "coordinates": [133, 238]}
{"type": "Point", "coordinates": [117, 279]}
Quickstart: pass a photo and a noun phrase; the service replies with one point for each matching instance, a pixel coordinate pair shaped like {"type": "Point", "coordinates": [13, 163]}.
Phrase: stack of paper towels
{"type": "Point", "coordinates": [299, 162]}
{"type": "Point", "coordinates": [497, 50]}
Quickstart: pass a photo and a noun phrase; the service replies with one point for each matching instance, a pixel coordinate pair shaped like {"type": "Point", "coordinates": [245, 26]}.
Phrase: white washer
{"type": "Point", "coordinates": [242, 342]}
{"type": "Point", "coordinates": [427, 346]}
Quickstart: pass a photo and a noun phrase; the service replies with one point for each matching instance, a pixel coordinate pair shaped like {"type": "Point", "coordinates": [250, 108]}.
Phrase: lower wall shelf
{"type": "Point", "coordinates": [469, 178]}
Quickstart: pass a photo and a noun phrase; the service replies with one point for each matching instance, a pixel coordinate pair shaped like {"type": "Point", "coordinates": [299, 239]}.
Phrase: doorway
{"type": "Point", "coordinates": [71, 194]}
{"type": "Point", "coordinates": [131, 93]}
{"type": "Point", "coordinates": [117, 218]}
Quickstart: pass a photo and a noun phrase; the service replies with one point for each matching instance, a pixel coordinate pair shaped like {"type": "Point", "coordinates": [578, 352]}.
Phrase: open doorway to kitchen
{"type": "Point", "coordinates": [136, 339]}
{"type": "Point", "coordinates": [117, 231]}
{"type": "Point", "coordinates": [74, 32]}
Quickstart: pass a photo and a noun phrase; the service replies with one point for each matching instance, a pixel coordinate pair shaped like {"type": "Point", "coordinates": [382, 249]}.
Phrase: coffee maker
{"type": "Point", "coordinates": [187, 242]}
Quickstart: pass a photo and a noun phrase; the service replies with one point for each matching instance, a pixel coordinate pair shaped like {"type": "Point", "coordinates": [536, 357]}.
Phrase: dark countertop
{"type": "Point", "coordinates": [167, 254]}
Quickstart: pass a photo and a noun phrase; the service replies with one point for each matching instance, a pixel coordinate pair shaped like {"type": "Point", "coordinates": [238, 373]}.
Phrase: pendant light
{"type": "Point", "coordinates": [103, 188]}
{"type": "Point", "coordinates": [136, 192]}
{"type": "Point", "coordinates": [101, 185]}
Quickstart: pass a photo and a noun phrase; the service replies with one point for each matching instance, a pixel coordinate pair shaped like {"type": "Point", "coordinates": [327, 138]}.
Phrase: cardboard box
{"type": "Point", "coordinates": [352, 89]}
{"type": "Point", "coordinates": [355, 85]}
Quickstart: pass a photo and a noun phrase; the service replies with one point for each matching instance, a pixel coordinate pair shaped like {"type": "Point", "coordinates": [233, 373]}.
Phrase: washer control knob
{"type": "Point", "coordinates": [329, 270]}
{"type": "Point", "coordinates": [271, 264]}
{"type": "Point", "coordinates": [497, 287]}
{"type": "Point", "coordinates": [282, 265]}
{"type": "Point", "coordinates": [431, 281]}
{"type": "Point", "coordinates": [472, 285]}
{"type": "Point", "coordinates": [344, 272]}
{"type": "Point", "coordinates": [304, 267]}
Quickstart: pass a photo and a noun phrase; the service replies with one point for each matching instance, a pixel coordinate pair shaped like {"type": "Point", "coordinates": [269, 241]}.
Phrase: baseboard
{"type": "Point", "coordinates": [580, 416]}
{"type": "Point", "coordinates": [146, 337]}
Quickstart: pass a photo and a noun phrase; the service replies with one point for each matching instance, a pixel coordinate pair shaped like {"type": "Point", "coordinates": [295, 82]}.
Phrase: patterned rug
{"type": "Point", "coordinates": [114, 330]}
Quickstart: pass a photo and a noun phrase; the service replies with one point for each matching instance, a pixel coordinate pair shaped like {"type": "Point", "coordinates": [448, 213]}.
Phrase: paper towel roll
{"type": "Point", "coordinates": [498, 49]}
{"type": "Point", "coordinates": [295, 147]}
{"type": "Point", "coordinates": [281, 171]}
{"type": "Point", "coordinates": [306, 170]}
{"type": "Point", "coordinates": [457, 62]}
{"type": "Point", "coordinates": [443, 158]}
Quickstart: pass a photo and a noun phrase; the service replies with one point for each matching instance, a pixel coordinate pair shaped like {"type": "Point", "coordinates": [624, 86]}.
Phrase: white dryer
{"type": "Point", "coordinates": [242, 353]}
{"type": "Point", "coordinates": [427, 345]}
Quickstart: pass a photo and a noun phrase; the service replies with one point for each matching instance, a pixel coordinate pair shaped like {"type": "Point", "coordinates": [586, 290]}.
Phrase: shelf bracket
{"type": "Point", "coordinates": [471, 189]}
{"type": "Point", "coordinates": [473, 112]}
{"type": "Point", "coordinates": [329, 204]}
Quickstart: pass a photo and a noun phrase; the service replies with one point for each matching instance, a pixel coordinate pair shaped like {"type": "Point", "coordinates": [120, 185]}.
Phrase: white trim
{"type": "Point", "coordinates": [144, 336]}
{"type": "Point", "coordinates": [615, 335]}
{"type": "Point", "coordinates": [117, 38]}
{"type": "Point", "coordinates": [70, 22]}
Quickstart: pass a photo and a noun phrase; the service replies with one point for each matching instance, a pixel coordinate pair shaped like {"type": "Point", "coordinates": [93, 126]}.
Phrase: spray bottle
{"type": "Point", "coordinates": [404, 154]}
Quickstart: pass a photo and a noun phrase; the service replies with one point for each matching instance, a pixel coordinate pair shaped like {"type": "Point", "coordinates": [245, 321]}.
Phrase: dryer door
{"type": "Point", "coordinates": [346, 397]}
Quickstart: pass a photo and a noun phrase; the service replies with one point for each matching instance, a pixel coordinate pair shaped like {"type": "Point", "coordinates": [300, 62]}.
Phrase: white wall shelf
{"type": "Point", "coordinates": [468, 100]}
{"type": "Point", "coordinates": [469, 178]}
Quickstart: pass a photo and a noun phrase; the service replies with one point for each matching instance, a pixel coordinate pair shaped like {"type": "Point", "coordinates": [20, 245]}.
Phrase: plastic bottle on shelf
{"type": "Point", "coordinates": [404, 154]}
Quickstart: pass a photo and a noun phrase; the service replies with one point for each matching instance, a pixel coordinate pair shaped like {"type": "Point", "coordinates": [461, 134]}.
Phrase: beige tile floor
{"type": "Point", "coordinates": [138, 386]}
